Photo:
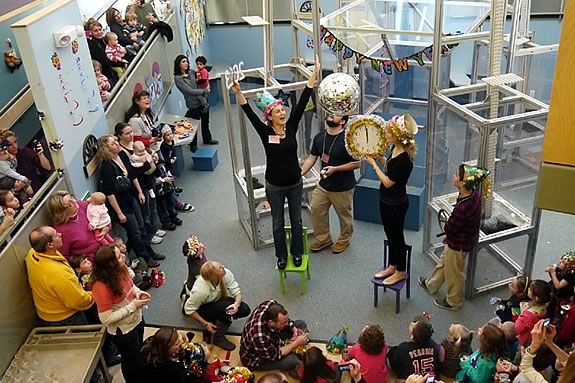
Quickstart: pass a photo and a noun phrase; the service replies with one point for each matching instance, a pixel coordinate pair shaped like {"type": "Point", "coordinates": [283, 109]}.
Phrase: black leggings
{"type": "Point", "coordinates": [216, 311]}
{"type": "Point", "coordinates": [393, 217]}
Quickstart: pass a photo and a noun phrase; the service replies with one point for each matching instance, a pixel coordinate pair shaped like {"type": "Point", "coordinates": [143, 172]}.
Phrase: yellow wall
{"type": "Point", "coordinates": [559, 145]}
{"type": "Point", "coordinates": [557, 175]}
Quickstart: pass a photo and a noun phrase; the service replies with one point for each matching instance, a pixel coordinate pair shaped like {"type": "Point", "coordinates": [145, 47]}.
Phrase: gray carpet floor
{"type": "Point", "coordinates": [340, 290]}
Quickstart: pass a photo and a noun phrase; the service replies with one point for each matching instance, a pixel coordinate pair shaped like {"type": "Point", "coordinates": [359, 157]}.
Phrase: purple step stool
{"type": "Point", "coordinates": [377, 283]}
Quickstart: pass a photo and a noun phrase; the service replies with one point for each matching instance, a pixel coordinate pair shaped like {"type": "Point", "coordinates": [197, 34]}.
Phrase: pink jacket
{"type": "Point", "coordinates": [76, 236]}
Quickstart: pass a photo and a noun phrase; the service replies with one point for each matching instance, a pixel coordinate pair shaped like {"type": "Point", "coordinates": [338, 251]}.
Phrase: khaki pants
{"type": "Point", "coordinates": [320, 204]}
{"type": "Point", "coordinates": [450, 269]}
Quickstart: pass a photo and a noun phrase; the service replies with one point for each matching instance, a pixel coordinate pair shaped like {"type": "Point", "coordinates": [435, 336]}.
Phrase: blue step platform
{"type": "Point", "coordinates": [205, 159]}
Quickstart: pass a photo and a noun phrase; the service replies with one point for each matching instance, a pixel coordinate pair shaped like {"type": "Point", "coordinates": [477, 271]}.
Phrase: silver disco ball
{"type": "Point", "coordinates": [338, 94]}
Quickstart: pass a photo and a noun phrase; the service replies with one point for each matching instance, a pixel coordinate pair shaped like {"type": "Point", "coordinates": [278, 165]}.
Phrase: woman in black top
{"type": "Point", "coordinates": [283, 173]}
{"type": "Point", "coordinates": [124, 199]}
{"type": "Point", "coordinates": [116, 25]}
{"type": "Point", "coordinates": [393, 201]}
{"type": "Point", "coordinates": [97, 46]}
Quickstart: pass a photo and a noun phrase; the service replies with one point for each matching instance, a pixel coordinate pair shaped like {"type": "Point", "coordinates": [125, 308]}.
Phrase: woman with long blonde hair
{"type": "Point", "coordinates": [120, 185]}
{"type": "Point", "coordinates": [214, 301]}
{"type": "Point", "coordinates": [393, 202]}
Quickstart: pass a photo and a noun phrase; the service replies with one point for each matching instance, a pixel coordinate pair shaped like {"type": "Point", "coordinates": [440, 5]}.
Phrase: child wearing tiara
{"type": "Point", "coordinates": [456, 345]}
{"type": "Point", "coordinates": [509, 309]}
{"type": "Point", "coordinates": [99, 220]}
{"type": "Point", "coordinates": [195, 252]}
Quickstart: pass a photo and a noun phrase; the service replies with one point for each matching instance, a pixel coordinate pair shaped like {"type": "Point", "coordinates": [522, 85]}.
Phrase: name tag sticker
{"type": "Point", "coordinates": [274, 139]}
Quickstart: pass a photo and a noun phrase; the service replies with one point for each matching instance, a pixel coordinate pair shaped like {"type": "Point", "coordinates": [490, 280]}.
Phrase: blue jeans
{"type": "Point", "coordinates": [136, 231]}
{"type": "Point", "coordinates": [276, 197]}
{"type": "Point", "coordinates": [150, 216]}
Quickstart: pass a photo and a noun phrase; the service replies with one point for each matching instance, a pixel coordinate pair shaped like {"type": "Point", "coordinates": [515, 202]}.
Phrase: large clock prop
{"type": "Point", "coordinates": [365, 136]}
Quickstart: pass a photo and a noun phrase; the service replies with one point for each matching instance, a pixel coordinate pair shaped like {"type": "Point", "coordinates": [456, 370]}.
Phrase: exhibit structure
{"type": "Point", "coordinates": [246, 150]}
{"type": "Point", "coordinates": [471, 123]}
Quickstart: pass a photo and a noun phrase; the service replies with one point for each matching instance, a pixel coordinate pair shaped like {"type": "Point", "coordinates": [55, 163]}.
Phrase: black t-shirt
{"type": "Point", "coordinates": [398, 169]}
{"type": "Point", "coordinates": [334, 147]}
{"type": "Point", "coordinates": [410, 358]}
{"type": "Point", "coordinates": [109, 170]}
{"type": "Point", "coordinates": [282, 164]}
{"type": "Point", "coordinates": [566, 291]}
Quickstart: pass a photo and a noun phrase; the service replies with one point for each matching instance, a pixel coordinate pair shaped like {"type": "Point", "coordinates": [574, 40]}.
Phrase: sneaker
{"type": "Point", "coordinates": [442, 303]}
{"type": "Point", "coordinates": [212, 142]}
{"type": "Point", "coordinates": [297, 260]}
{"type": "Point", "coordinates": [423, 284]}
{"type": "Point", "coordinates": [317, 246]}
{"type": "Point", "coordinates": [155, 240]}
{"type": "Point", "coordinates": [160, 233]}
{"type": "Point", "coordinates": [178, 190]}
{"type": "Point", "coordinates": [178, 222]}
{"type": "Point", "coordinates": [282, 263]}
{"type": "Point", "coordinates": [158, 257]}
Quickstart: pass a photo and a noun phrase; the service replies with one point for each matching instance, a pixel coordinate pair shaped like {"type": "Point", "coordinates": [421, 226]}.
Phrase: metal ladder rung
{"type": "Point", "coordinates": [503, 79]}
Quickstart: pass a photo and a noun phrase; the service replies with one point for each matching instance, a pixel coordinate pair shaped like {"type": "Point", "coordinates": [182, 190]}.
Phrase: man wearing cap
{"type": "Point", "coordinates": [461, 235]}
{"type": "Point", "coordinates": [58, 295]}
{"type": "Point", "coordinates": [335, 186]}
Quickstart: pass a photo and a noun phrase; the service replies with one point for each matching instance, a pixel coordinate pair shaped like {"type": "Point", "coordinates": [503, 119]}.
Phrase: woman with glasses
{"type": "Point", "coordinates": [68, 217]}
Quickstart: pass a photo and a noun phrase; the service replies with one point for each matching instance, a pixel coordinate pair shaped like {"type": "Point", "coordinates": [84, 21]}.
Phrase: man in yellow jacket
{"type": "Point", "coordinates": [58, 295]}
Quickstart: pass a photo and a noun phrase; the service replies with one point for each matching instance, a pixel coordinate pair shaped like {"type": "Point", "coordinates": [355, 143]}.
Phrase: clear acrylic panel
{"type": "Point", "coordinates": [415, 17]}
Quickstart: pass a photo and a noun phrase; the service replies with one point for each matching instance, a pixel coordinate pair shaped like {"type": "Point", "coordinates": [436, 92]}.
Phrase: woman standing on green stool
{"type": "Point", "coordinates": [283, 173]}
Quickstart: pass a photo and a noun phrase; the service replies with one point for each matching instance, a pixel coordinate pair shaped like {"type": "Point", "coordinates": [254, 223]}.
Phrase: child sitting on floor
{"type": "Point", "coordinates": [419, 355]}
{"type": "Point", "coordinates": [371, 353]}
{"type": "Point", "coordinates": [508, 309]}
{"type": "Point", "coordinates": [479, 367]}
{"type": "Point", "coordinates": [456, 345]}
{"type": "Point", "coordinates": [562, 282]}
{"type": "Point", "coordinates": [99, 220]}
{"type": "Point", "coordinates": [316, 368]}
{"type": "Point", "coordinates": [531, 312]}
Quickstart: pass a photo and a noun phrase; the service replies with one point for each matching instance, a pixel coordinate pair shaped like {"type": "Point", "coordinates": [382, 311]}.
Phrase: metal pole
{"type": "Point", "coordinates": [268, 12]}
{"type": "Point", "coordinates": [431, 123]}
{"type": "Point", "coordinates": [229, 123]}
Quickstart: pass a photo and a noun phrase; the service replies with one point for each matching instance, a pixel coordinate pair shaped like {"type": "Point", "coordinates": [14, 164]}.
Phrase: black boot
{"type": "Point", "coordinates": [207, 337]}
{"type": "Point", "coordinates": [220, 337]}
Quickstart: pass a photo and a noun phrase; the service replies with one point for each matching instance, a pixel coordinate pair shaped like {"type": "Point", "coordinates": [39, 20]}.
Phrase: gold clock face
{"type": "Point", "coordinates": [365, 136]}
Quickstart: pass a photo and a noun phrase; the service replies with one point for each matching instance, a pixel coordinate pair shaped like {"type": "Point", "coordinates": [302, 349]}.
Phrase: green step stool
{"type": "Point", "coordinates": [290, 268]}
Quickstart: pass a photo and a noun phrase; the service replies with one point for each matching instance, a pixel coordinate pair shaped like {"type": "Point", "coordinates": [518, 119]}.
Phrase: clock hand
{"type": "Point", "coordinates": [366, 136]}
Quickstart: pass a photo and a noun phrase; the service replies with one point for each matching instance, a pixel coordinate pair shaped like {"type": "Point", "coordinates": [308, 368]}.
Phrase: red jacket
{"type": "Point", "coordinates": [525, 323]}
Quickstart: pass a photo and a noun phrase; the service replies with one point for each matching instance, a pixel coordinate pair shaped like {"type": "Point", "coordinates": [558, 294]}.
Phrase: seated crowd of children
{"type": "Point", "coordinates": [528, 341]}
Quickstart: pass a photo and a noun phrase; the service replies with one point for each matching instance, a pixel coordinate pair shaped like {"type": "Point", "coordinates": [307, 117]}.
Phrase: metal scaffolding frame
{"type": "Point", "coordinates": [502, 106]}
{"type": "Point", "coordinates": [252, 210]}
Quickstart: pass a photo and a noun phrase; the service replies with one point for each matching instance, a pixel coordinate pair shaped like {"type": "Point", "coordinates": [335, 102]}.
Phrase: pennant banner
{"type": "Point", "coordinates": [380, 65]}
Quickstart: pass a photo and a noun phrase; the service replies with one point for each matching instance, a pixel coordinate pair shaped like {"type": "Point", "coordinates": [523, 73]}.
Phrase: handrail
{"type": "Point", "coordinates": [133, 64]}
